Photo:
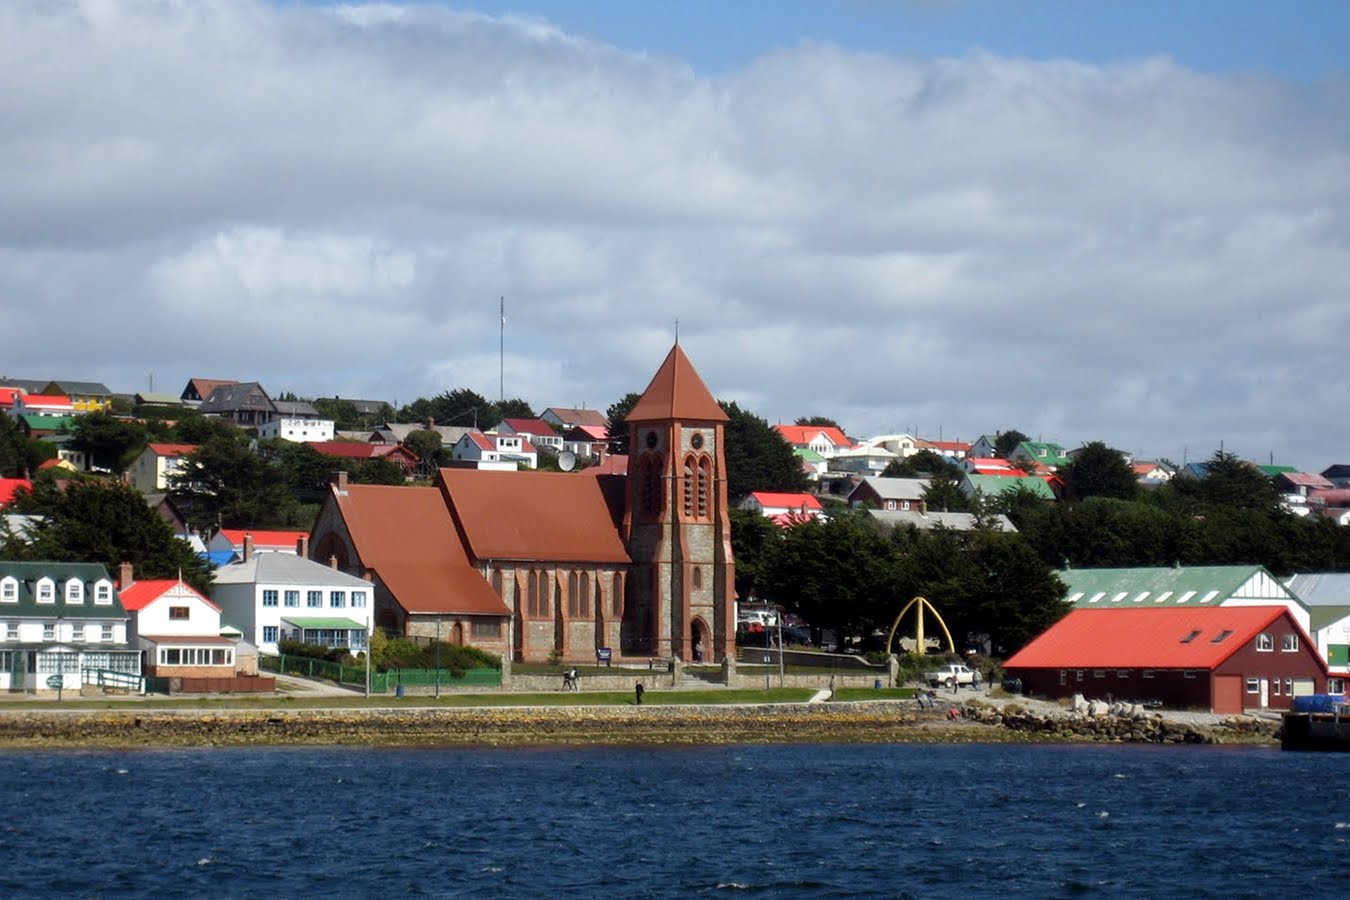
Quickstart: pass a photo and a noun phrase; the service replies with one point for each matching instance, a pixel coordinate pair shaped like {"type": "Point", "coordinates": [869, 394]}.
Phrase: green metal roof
{"type": "Point", "coordinates": [1045, 452]}
{"type": "Point", "coordinates": [1167, 586]}
{"type": "Point", "coordinates": [1272, 471]}
{"type": "Point", "coordinates": [323, 622]}
{"type": "Point", "coordinates": [27, 574]}
{"type": "Point", "coordinates": [808, 454]}
{"type": "Point", "coordinates": [48, 423]}
{"type": "Point", "coordinates": [993, 485]}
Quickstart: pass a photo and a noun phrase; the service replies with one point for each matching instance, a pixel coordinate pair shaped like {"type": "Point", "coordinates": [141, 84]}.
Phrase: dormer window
{"type": "Point", "coordinates": [46, 591]}
{"type": "Point", "coordinates": [74, 591]}
{"type": "Point", "coordinates": [103, 593]}
{"type": "Point", "coordinates": [9, 590]}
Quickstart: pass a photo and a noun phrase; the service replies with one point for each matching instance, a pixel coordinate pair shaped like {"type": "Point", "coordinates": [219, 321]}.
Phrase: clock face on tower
{"type": "Point", "coordinates": [696, 442]}
{"type": "Point", "coordinates": [651, 440]}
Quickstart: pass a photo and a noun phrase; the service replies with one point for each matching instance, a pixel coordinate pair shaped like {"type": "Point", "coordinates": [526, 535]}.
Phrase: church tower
{"type": "Point", "coordinates": [676, 523]}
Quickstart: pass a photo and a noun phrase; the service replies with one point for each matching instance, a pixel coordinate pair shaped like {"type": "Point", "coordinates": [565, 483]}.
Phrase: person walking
{"type": "Point", "coordinates": [638, 690]}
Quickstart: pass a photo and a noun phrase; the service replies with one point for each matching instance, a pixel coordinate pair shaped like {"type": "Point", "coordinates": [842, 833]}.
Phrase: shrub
{"type": "Point", "coordinates": [312, 651]}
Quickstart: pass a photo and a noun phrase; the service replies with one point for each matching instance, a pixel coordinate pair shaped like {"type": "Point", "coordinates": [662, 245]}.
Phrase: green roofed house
{"type": "Point", "coordinates": [813, 463]}
{"type": "Point", "coordinates": [1188, 586]}
{"type": "Point", "coordinates": [35, 425]}
{"type": "Point", "coordinates": [1042, 452]}
{"type": "Point", "coordinates": [60, 622]}
{"type": "Point", "coordinates": [994, 485]}
{"type": "Point", "coordinates": [1274, 471]}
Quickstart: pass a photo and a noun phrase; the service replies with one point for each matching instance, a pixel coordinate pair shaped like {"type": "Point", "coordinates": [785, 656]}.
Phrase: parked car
{"type": "Point", "coordinates": [950, 675]}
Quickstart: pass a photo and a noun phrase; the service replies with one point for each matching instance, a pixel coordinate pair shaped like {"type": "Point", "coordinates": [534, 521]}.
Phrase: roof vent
{"type": "Point", "coordinates": [1191, 636]}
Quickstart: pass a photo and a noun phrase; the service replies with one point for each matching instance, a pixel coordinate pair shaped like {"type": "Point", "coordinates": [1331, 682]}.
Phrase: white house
{"type": "Point", "coordinates": [500, 452]}
{"type": "Point", "coordinates": [901, 445]}
{"type": "Point", "coordinates": [244, 542]}
{"type": "Point", "coordinates": [1327, 596]}
{"type": "Point", "coordinates": [783, 508]}
{"type": "Point", "coordinates": [151, 471]}
{"type": "Point", "coordinates": [276, 596]}
{"type": "Point", "coordinates": [863, 460]}
{"type": "Point", "coordinates": [60, 620]}
{"type": "Point", "coordinates": [533, 431]}
{"type": "Point", "coordinates": [297, 430]}
{"type": "Point", "coordinates": [179, 631]}
{"type": "Point", "coordinates": [825, 440]}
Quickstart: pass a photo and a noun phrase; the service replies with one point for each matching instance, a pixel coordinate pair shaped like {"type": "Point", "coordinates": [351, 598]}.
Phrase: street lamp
{"type": "Point", "coordinates": [438, 657]}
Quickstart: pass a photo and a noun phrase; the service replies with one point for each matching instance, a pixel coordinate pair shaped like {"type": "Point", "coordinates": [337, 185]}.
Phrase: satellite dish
{"type": "Point", "coordinates": [567, 460]}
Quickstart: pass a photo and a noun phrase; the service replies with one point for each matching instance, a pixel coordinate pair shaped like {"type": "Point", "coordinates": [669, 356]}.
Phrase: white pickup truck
{"type": "Point", "coordinates": [951, 676]}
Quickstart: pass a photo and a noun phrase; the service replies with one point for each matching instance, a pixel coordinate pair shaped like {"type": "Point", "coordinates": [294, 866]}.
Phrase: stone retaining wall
{"type": "Point", "coordinates": [1131, 727]}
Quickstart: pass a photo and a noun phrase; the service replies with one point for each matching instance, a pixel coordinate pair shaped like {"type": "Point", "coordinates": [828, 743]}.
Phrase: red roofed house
{"type": "Point", "coordinates": [151, 471]}
{"type": "Point", "coordinates": [244, 542]}
{"type": "Point", "coordinates": [180, 633]}
{"type": "Point", "coordinates": [41, 405]}
{"type": "Point", "coordinates": [784, 509]}
{"type": "Point", "coordinates": [495, 452]}
{"type": "Point", "coordinates": [396, 453]}
{"type": "Point", "coordinates": [1225, 659]}
{"type": "Point", "coordinates": [11, 486]}
{"type": "Point", "coordinates": [535, 431]}
{"type": "Point", "coordinates": [586, 441]}
{"type": "Point", "coordinates": [532, 563]}
{"type": "Point", "coordinates": [575, 418]}
{"type": "Point", "coordinates": [957, 450]}
{"type": "Point", "coordinates": [198, 389]}
{"type": "Point", "coordinates": [7, 395]}
{"type": "Point", "coordinates": [823, 439]}
{"type": "Point", "coordinates": [988, 465]}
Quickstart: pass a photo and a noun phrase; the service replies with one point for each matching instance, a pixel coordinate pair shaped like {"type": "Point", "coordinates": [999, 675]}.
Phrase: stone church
{"type": "Point", "coordinates": [532, 564]}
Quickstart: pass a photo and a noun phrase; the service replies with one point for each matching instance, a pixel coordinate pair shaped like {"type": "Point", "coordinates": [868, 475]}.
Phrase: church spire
{"type": "Point", "coordinates": [676, 392]}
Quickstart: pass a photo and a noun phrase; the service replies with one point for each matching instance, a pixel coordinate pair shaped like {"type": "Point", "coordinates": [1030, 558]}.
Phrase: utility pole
{"type": "Point", "coordinates": [501, 354]}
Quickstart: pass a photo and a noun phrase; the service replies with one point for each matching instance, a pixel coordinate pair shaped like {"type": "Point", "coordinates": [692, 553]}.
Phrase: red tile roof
{"type": "Point", "coordinates": [580, 417]}
{"type": "Point", "coordinates": [960, 446]}
{"type": "Point", "coordinates": [802, 434]}
{"type": "Point", "coordinates": [552, 516]}
{"type": "Point", "coordinates": [614, 464]}
{"type": "Point", "coordinates": [262, 538]}
{"type": "Point", "coordinates": [10, 486]}
{"type": "Point", "coordinates": [142, 593]}
{"type": "Point", "coordinates": [172, 449]}
{"type": "Point", "coordinates": [1306, 479]}
{"type": "Point", "coordinates": [1330, 496]}
{"type": "Point", "coordinates": [1145, 638]}
{"type": "Point", "coordinates": [676, 392]}
{"type": "Point", "coordinates": [790, 501]}
{"type": "Point", "coordinates": [530, 426]}
{"type": "Point", "coordinates": [204, 386]}
{"type": "Point", "coordinates": [406, 535]}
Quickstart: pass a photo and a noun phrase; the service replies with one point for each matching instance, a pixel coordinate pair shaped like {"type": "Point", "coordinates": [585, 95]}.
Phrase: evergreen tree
{"type": "Point", "coordinates": [617, 415]}
{"type": "Point", "coordinates": [1099, 471]}
{"type": "Point", "coordinates": [758, 459]}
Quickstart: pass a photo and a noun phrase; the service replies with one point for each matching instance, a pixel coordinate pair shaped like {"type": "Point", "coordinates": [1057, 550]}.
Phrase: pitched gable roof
{"type": "Point", "coordinates": [1112, 588]}
{"type": "Point", "coordinates": [237, 395]}
{"type": "Point", "coordinates": [676, 392]}
{"type": "Point", "coordinates": [1147, 638]}
{"type": "Point", "coordinates": [407, 536]}
{"type": "Point", "coordinates": [11, 486]}
{"type": "Point", "coordinates": [171, 449]}
{"type": "Point", "coordinates": [805, 434]}
{"type": "Point", "coordinates": [203, 387]}
{"type": "Point", "coordinates": [528, 426]}
{"type": "Point", "coordinates": [141, 594]}
{"type": "Point", "coordinates": [773, 499]}
{"type": "Point", "coordinates": [78, 388]}
{"type": "Point", "coordinates": [552, 516]}
{"type": "Point", "coordinates": [578, 417]}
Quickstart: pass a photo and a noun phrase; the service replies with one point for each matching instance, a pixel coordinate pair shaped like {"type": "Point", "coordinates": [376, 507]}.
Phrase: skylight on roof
{"type": "Point", "coordinates": [1219, 638]}
{"type": "Point", "coordinates": [1140, 598]}
{"type": "Point", "coordinates": [1076, 597]}
{"type": "Point", "coordinates": [1191, 636]}
{"type": "Point", "coordinates": [1097, 596]}
{"type": "Point", "coordinates": [1119, 597]}
{"type": "Point", "coordinates": [1162, 597]}
{"type": "Point", "coordinates": [1186, 596]}
{"type": "Point", "coordinates": [1208, 597]}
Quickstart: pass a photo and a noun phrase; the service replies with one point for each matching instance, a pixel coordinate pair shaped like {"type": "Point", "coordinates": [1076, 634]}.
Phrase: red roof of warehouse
{"type": "Point", "coordinates": [264, 538]}
{"type": "Point", "coordinates": [1146, 638]}
{"type": "Point", "coordinates": [173, 449]}
{"type": "Point", "coordinates": [790, 501]}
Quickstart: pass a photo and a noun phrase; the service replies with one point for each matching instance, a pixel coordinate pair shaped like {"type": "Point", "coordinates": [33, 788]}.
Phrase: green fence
{"type": "Point", "coordinates": [380, 682]}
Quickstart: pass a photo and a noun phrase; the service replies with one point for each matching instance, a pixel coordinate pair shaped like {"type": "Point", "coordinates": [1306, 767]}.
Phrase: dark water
{"type": "Point", "coordinates": [922, 821]}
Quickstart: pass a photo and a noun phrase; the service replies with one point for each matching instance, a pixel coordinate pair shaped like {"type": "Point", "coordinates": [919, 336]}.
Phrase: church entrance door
{"type": "Point", "coordinates": [698, 640]}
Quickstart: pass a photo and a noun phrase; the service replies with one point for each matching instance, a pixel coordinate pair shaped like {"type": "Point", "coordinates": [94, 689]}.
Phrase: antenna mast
{"type": "Point", "coordinates": [501, 354]}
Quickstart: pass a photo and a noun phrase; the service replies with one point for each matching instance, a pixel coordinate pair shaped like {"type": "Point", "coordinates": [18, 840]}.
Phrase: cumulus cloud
{"type": "Point", "coordinates": [332, 200]}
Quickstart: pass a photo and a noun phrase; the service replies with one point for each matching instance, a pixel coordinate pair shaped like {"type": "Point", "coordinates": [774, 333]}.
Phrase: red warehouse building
{"type": "Point", "coordinates": [1226, 659]}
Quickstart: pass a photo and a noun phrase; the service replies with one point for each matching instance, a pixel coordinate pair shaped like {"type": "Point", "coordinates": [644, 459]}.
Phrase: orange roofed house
{"type": "Point", "coordinates": [529, 563]}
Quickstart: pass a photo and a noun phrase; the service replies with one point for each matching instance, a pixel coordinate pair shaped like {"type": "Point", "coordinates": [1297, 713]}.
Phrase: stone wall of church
{"type": "Point", "coordinates": [556, 620]}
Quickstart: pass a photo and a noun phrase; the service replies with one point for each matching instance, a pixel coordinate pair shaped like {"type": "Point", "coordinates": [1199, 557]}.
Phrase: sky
{"type": "Point", "coordinates": [1106, 221]}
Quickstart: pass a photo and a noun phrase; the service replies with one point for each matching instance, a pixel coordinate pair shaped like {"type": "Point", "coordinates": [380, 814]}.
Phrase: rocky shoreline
{"type": "Point", "coordinates": [863, 722]}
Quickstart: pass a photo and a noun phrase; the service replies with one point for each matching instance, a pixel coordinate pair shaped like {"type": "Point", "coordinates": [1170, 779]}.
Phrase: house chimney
{"type": "Point", "coordinates": [339, 480]}
{"type": "Point", "coordinates": [923, 507]}
{"type": "Point", "coordinates": [332, 561]}
{"type": "Point", "coordinates": [248, 546]}
{"type": "Point", "coordinates": [125, 576]}
{"type": "Point", "coordinates": [431, 423]}
{"type": "Point", "coordinates": [302, 547]}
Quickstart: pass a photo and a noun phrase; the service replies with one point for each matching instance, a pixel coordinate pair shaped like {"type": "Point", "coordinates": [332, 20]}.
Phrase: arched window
{"type": "Point", "coordinates": [697, 577]}
{"type": "Point", "coordinates": [704, 486]}
{"type": "Point", "coordinates": [532, 605]}
{"type": "Point", "coordinates": [652, 500]}
{"type": "Point", "coordinates": [497, 582]}
{"type": "Point", "coordinates": [599, 600]}
{"type": "Point", "coordinates": [572, 595]}
{"type": "Point", "coordinates": [584, 595]}
{"type": "Point", "coordinates": [688, 487]}
{"type": "Point", "coordinates": [616, 601]}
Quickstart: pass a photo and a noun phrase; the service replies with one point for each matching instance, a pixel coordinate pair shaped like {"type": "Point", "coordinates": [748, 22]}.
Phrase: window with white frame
{"type": "Point", "coordinates": [1289, 643]}
{"type": "Point", "coordinates": [358, 599]}
{"type": "Point", "coordinates": [179, 613]}
{"type": "Point", "coordinates": [46, 591]}
{"type": "Point", "coordinates": [11, 631]}
{"type": "Point", "coordinates": [77, 631]}
{"type": "Point", "coordinates": [1275, 687]}
{"type": "Point", "coordinates": [9, 590]}
{"type": "Point", "coordinates": [269, 634]}
{"type": "Point", "coordinates": [1335, 685]}
{"type": "Point", "coordinates": [1253, 685]}
{"type": "Point", "coordinates": [337, 599]}
{"type": "Point", "coordinates": [107, 633]}
{"type": "Point", "coordinates": [74, 591]}
{"type": "Point", "coordinates": [49, 631]}
{"type": "Point", "coordinates": [292, 598]}
{"type": "Point", "coordinates": [103, 593]}
{"type": "Point", "coordinates": [1264, 642]}
{"type": "Point", "coordinates": [314, 599]}
{"type": "Point", "coordinates": [269, 598]}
